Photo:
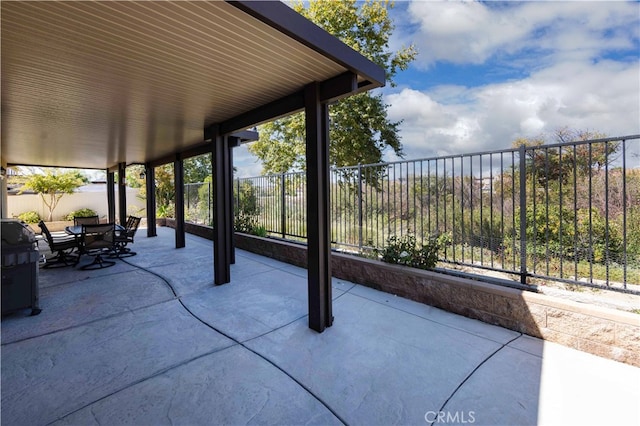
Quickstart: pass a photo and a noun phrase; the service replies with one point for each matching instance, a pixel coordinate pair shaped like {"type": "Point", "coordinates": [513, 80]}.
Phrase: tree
{"type": "Point", "coordinates": [53, 184]}
{"type": "Point", "coordinates": [197, 169]}
{"type": "Point", "coordinates": [552, 164]}
{"type": "Point", "coordinates": [359, 130]}
{"type": "Point", "coordinates": [563, 221]}
{"type": "Point", "coordinates": [132, 176]}
{"type": "Point", "coordinates": [165, 188]}
{"type": "Point", "coordinates": [589, 157]}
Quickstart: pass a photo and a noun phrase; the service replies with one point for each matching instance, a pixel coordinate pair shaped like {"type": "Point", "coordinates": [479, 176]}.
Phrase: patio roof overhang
{"type": "Point", "coordinates": [106, 84]}
{"type": "Point", "coordinates": [98, 84]}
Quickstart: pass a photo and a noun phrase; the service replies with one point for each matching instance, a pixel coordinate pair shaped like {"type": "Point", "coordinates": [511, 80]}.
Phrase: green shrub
{"type": "Point", "coordinates": [245, 223]}
{"type": "Point", "coordinates": [80, 213]}
{"type": "Point", "coordinates": [248, 224]}
{"type": "Point", "coordinates": [166, 211]}
{"type": "Point", "coordinates": [29, 217]}
{"type": "Point", "coordinates": [573, 235]}
{"type": "Point", "coordinates": [260, 231]}
{"type": "Point", "coordinates": [246, 198]}
{"type": "Point", "coordinates": [405, 251]}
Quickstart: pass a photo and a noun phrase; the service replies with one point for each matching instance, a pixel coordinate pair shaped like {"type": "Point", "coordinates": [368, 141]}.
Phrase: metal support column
{"type": "Point", "coordinates": [318, 214]}
{"type": "Point", "coordinates": [178, 180]}
{"type": "Point", "coordinates": [150, 176]}
{"type": "Point", "coordinates": [122, 193]}
{"type": "Point", "coordinates": [3, 193]}
{"type": "Point", "coordinates": [233, 142]}
{"type": "Point", "coordinates": [111, 196]}
{"type": "Point", "coordinates": [222, 222]}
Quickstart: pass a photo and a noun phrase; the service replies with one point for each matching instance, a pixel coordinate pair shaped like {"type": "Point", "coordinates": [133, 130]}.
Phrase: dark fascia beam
{"type": "Point", "coordinates": [338, 87]}
{"type": "Point", "coordinates": [243, 136]}
{"type": "Point", "coordinates": [246, 136]}
{"type": "Point", "coordinates": [271, 111]}
{"type": "Point", "coordinates": [330, 90]}
{"type": "Point", "coordinates": [111, 169]}
{"type": "Point", "coordinates": [161, 161]}
{"type": "Point", "coordinates": [204, 147]}
{"type": "Point", "coordinates": [289, 22]}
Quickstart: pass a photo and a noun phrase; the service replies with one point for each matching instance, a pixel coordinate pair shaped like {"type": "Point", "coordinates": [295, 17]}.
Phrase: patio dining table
{"type": "Point", "coordinates": [77, 229]}
{"type": "Point", "coordinates": [85, 247]}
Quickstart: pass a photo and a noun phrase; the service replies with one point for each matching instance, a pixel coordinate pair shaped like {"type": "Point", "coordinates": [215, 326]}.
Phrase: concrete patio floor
{"type": "Point", "coordinates": [151, 341]}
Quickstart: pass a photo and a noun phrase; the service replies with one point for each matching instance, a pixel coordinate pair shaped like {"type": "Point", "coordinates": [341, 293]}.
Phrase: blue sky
{"type": "Point", "coordinates": [489, 72]}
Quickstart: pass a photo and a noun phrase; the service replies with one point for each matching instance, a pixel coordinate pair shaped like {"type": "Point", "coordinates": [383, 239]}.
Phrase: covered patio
{"type": "Point", "coordinates": [105, 85]}
{"type": "Point", "coordinates": [151, 341]}
{"type": "Point", "coordinates": [155, 339]}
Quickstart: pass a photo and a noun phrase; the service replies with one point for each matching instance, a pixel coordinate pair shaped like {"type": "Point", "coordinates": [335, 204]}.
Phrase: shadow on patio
{"type": "Point", "coordinates": [152, 341]}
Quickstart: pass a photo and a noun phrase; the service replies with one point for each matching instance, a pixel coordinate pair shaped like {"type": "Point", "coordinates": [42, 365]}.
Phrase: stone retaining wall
{"type": "Point", "coordinates": [601, 331]}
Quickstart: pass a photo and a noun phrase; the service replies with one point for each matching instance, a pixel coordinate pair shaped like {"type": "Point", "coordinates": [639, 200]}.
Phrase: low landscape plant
{"type": "Point", "coordinates": [405, 250]}
{"type": "Point", "coordinates": [166, 211]}
{"type": "Point", "coordinates": [29, 217]}
{"type": "Point", "coordinates": [248, 224]}
{"type": "Point", "coordinates": [80, 213]}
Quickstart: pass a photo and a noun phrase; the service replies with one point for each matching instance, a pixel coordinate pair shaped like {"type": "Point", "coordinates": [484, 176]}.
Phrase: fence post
{"type": "Point", "coordinates": [283, 213]}
{"type": "Point", "coordinates": [209, 203]}
{"type": "Point", "coordinates": [359, 207]}
{"type": "Point", "coordinates": [189, 195]}
{"type": "Point", "coordinates": [523, 215]}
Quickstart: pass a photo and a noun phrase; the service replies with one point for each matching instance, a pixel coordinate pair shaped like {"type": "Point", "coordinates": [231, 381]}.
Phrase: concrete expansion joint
{"type": "Point", "coordinates": [282, 370]}
{"type": "Point", "coordinates": [137, 382]}
{"type": "Point", "coordinates": [491, 355]}
{"type": "Point", "coordinates": [165, 280]}
{"type": "Point", "coordinates": [236, 342]}
{"type": "Point", "coordinates": [71, 327]}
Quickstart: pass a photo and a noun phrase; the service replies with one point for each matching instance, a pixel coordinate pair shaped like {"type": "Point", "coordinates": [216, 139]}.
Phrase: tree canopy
{"type": "Point", "coordinates": [359, 131]}
{"type": "Point", "coordinates": [53, 184]}
{"type": "Point", "coordinates": [549, 164]}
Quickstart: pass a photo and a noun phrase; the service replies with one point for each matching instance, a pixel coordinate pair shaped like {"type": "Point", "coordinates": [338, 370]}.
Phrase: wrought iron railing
{"type": "Point", "coordinates": [565, 212]}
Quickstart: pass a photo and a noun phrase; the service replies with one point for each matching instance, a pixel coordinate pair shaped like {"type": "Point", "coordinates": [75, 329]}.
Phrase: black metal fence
{"type": "Point", "coordinates": [198, 207]}
{"type": "Point", "coordinates": [566, 212]}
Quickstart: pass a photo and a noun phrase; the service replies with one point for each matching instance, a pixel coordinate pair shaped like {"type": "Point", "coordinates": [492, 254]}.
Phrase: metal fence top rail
{"type": "Point", "coordinates": [472, 154]}
{"type": "Point", "coordinates": [570, 231]}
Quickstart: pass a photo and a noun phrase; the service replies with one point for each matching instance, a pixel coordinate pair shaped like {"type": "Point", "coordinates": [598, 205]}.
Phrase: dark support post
{"type": "Point", "coordinates": [222, 222]}
{"type": "Point", "coordinates": [178, 180]}
{"type": "Point", "coordinates": [318, 225]}
{"type": "Point", "coordinates": [233, 142]}
{"type": "Point", "coordinates": [3, 193]}
{"type": "Point", "coordinates": [122, 193]}
{"type": "Point", "coordinates": [111, 196]}
{"type": "Point", "coordinates": [150, 175]}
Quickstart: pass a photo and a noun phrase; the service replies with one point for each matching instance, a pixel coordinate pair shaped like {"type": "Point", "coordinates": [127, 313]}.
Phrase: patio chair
{"type": "Point", "coordinates": [63, 246]}
{"type": "Point", "coordinates": [123, 238]}
{"type": "Point", "coordinates": [98, 240]}
{"type": "Point", "coordinates": [88, 220]}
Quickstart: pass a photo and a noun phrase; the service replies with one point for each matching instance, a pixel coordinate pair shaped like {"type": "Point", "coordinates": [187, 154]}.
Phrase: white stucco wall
{"type": "Point", "coordinates": [91, 196]}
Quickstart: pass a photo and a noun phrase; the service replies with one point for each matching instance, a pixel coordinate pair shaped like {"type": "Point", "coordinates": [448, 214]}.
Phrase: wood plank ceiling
{"type": "Point", "coordinates": [93, 84]}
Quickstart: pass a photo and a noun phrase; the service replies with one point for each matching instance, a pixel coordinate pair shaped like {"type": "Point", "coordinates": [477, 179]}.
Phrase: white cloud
{"type": "Point", "coordinates": [562, 49]}
{"type": "Point", "coordinates": [246, 164]}
{"type": "Point", "coordinates": [472, 32]}
{"type": "Point", "coordinates": [601, 97]}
